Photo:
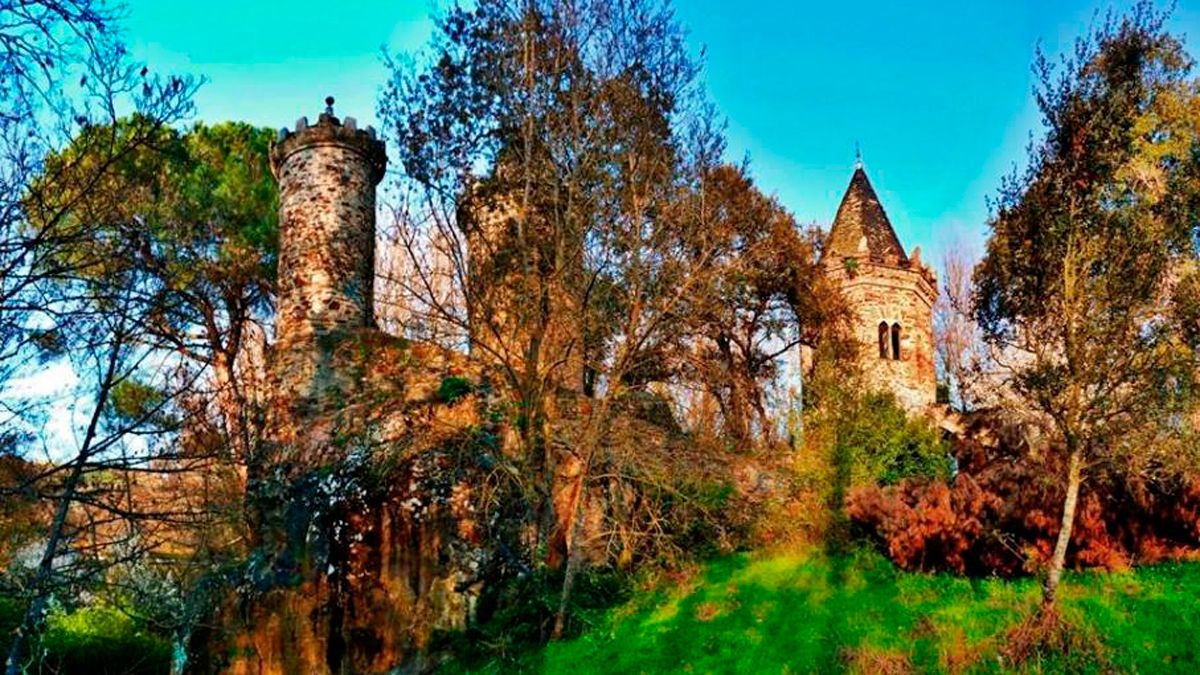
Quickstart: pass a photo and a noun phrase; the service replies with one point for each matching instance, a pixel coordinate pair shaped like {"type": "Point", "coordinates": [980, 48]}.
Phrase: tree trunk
{"type": "Point", "coordinates": [1074, 478]}
{"type": "Point", "coordinates": [575, 513]}
{"type": "Point", "coordinates": [572, 568]}
{"type": "Point", "coordinates": [232, 405]}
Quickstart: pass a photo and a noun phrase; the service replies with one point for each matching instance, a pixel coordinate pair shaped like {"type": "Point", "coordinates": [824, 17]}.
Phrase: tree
{"type": "Point", "coordinates": [959, 349]}
{"type": "Point", "coordinates": [199, 212]}
{"type": "Point", "coordinates": [541, 144]}
{"type": "Point", "coordinates": [95, 521]}
{"type": "Point", "coordinates": [65, 75]}
{"type": "Point", "coordinates": [556, 161]}
{"type": "Point", "coordinates": [1075, 289]}
{"type": "Point", "coordinates": [46, 48]}
{"type": "Point", "coordinates": [172, 256]}
{"type": "Point", "coordinates": [566, 214]}
{"type": "Point", "coordinates": [764, 296]}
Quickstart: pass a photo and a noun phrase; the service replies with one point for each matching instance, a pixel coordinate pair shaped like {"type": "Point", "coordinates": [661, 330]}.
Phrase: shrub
{"type": "Point", "coordinates": [850, 440]}
{"type": "Point", "coordinates": [516, 617]}
{"type": "Point", "coordinates": [879, 439]}
{"type": "Point", "coordinates": [1001, 513]}
{"type": "Point", "coordinates": [103, 639]}
{"type": "Point", "coordinates": [454, 388]}
{"type": "Point", "coordinates": [98, 639]}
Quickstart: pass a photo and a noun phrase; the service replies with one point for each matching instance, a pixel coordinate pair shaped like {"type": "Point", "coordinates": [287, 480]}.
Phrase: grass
{"type": "Point", "coordinates": [98, 640]}
{"type": "Point", "coordinates": [805, 612]}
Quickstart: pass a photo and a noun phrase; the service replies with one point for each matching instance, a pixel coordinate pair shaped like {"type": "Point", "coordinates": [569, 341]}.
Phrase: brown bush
{"type": "Point", "coordinates": [1000, 513]}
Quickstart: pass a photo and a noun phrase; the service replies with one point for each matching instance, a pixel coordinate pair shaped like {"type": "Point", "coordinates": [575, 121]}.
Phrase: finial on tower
{"type": "Point", "coordinates": [858, 163]}
{"type": "Point", "coordinates": [329, 106]}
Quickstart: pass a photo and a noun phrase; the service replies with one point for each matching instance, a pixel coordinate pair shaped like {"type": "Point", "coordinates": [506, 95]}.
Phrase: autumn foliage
{"type": "Point", "coordinates": [1000, 513]}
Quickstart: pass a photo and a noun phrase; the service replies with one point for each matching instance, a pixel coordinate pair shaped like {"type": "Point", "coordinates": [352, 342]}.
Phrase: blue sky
{"type": "Point", "coordinates": [936, 93]}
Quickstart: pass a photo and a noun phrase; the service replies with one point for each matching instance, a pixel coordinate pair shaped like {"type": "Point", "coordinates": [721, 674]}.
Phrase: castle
{"type": "Point", "coordinates": [890, 293]}
{"type": "Point", "coordinates": [327, 175]}
{"type": "Point", "coordinates": [343, 566]}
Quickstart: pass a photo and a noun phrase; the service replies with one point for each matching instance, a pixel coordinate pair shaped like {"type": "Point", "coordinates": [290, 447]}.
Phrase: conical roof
{"type": "Point", "coordinates": [861, 228]}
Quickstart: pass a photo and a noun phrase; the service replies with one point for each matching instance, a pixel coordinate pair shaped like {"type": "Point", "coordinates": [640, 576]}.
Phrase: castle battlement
{"type": "Point", "coordinates": [330, 131]}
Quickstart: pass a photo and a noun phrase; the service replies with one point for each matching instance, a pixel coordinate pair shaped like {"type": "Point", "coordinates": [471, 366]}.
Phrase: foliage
{"type": "Point", "coordinates": [874, 441]}
{"type": "Point", "coordinates": [851, 440]}
{"type": "Point", "coordinates": [453, 388]}
{"type": "Point", "coordinates": [154, 253]}
{"type": "Point", "coordinates": [132, 401]}
{"type": "Point", "coordinates": [190, 220]}
{"type": "Point", "coordinates": [11, 614]}
{"type": "Point", "coordinates": [885, 445]}
{"type": "Point", "coordinates": [1075, 289]}
{"type": "Point", "coordinates": [761, 296]}
{"type": "Point", "coordinates": [563, 156]}
{"type": "Point", "coordinates": [805, 612]}
{"type": "Point", "coordinates": [516, 616]}
{"type": "Point", "coordinates": [63, 69]}
{"type": "Point", "coordinates": [102, 639]}
{"type": "Point", "coordinates": [99, 638]}
{"type": "Point", "coordinates": [999, 515]}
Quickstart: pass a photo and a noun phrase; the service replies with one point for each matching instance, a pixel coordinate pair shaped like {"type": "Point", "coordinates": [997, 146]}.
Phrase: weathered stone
{"type": "Point", "coordinates": [889, 292]}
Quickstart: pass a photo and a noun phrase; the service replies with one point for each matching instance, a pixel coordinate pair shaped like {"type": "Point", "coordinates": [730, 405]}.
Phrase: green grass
{"type": "Point", "coordinates": [805, 612]}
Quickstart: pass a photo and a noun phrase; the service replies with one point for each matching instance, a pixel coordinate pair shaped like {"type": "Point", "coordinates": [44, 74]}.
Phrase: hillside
{"type": "Point", "coordinates": [805, 612]}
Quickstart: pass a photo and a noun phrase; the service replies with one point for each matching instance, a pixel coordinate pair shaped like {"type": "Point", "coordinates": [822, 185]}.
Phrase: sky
{"type": "Point", "coordinates": [936, 94]}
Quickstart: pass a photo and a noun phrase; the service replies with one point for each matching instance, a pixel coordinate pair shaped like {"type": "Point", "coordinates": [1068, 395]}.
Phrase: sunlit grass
{"type": "Point", "coordinates": [805, 612]}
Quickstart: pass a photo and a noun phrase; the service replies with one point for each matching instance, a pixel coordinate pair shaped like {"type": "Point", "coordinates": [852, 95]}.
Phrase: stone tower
{"type": "Point", "coordinates": [505, 300]}
{"type": "Point", "coordinates": [327, 175]}
{"type": "Point", "coordinates": [891, 293]}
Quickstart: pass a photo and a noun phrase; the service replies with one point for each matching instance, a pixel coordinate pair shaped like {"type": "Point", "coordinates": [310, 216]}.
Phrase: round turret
{"type": "Point", "coordinates": [327, 175]}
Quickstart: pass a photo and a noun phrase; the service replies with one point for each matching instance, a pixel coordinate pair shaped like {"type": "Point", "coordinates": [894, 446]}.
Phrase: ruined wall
{"type": "Point", "coordinates": [904, 295]}
{"type": "Point", "coordinates": [391, 539]}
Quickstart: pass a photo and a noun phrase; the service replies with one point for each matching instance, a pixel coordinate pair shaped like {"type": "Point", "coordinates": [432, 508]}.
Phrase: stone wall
{"type": "Point", "coordinates": [904, 295]}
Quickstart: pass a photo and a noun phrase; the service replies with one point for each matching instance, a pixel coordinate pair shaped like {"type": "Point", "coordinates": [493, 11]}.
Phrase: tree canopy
{"type": "Point", "coordinates": [1076, 290]}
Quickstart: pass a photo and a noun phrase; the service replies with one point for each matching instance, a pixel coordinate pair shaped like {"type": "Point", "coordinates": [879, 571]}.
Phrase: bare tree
{"type": "Point", "coordinates": [959, 346]}
{"type": "Point", "coordinates": [126, 397]}
{"type": "Point", "coordinates": [508, 139]}
{"type": "Point", "coordinates": [64, 76]}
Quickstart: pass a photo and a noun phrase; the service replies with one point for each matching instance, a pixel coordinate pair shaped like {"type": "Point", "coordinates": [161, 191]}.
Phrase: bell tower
{"type": "Point", "coordinates": [891, 293]}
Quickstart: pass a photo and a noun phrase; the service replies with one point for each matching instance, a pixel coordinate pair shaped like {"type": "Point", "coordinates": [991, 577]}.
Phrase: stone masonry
{"type": "Point", "coordinates": [891, 293]}
{"type": "Point", "coordinates": [327, 176]}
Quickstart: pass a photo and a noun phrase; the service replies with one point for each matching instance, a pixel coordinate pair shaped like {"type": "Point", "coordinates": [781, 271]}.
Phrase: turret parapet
{"type": "Point", "coordinates": [329, 130]}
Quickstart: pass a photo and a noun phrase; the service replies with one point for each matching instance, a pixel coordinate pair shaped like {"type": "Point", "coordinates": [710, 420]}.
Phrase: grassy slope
{"type": "Point", "coordinates": [808, 613]}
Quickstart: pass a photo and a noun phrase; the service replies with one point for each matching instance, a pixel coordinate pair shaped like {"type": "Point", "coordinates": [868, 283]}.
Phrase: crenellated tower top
{"type": "Point", "coordinates": [329, 130]}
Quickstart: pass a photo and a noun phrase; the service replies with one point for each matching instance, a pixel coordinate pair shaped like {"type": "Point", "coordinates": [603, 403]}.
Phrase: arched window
{"type": "Point", "coordinates": [883, 340]}
{"type": "Point", "coordinates": [896, 341]}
